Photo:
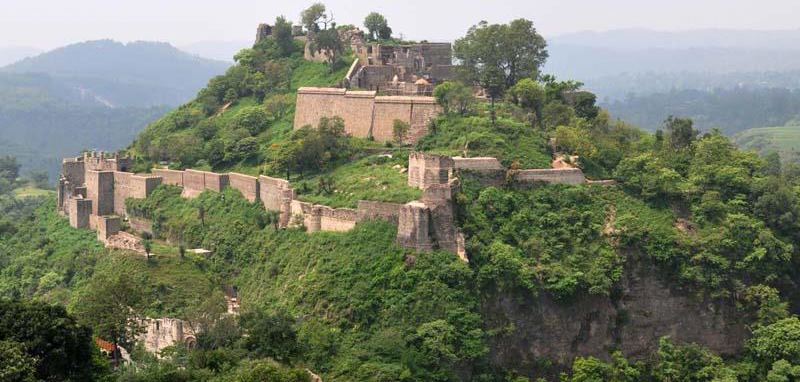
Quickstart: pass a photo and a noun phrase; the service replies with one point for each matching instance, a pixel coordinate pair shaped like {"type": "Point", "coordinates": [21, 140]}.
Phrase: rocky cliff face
{"type": "Point", "coordinates": [644, 309]}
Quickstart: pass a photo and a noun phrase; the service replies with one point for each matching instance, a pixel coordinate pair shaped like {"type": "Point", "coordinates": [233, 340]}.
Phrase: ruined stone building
{"type": "Point", "coordinates": [160, 333]}
{"type": "Point", "coordinates": [409, 69]}
{"type": "Point", "coordinates": [389, 69]}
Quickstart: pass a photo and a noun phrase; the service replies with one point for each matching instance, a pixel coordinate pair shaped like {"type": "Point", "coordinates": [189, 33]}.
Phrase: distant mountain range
{"type": "Point", "coordinates": [92, 95]}
{"type": "Point", "coordinates": [11, 54]}
{"type": "Point", "coordinates": [216, 50]}
{"type": "Point", "coordinates": [616, 63]}
{"type": "Point", "coordinates": [728, 79]}
{"type": "Point", "coordinates": [133, 74]}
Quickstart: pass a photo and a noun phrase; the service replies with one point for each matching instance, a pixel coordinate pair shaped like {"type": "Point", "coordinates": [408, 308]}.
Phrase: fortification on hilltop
{"type": "Point", "coordinates": [407, 69]}
{"type": "Point", "coordinates": [93, 188]}
{"type": "Point", "coordinates": [365, 114]}
{"type": "Point", "coordinates": [389, 69]}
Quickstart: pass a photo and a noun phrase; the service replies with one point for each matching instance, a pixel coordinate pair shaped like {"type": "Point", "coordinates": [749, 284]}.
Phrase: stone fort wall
{"type": "Point", "coordinates": [365, 115]}
{"type": "Point", "coordinates": [425, 224]}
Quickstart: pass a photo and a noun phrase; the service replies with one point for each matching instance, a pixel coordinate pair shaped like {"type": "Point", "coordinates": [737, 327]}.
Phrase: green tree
{"type": "Point", "coordinates": [783, 371]}
{"type": "Point", "coordinates": [55, 345]}
{"type": "Point", "coordinates": [278, 105]}
{"type": "Point", "coordinates": [530, 95]}
{"type": "Point", "coordinates": [777, 341]}
{"type": "Point", "coordinates": [282, 33]}
{"type": "Point", "coordinates": [254, 119]}
{"type": "Point", "coordinates": [270, 335]}
{"type": "Point", "coordinates": [377, 26]}
{"type": "Point", "coordinates": [681, 132]}
{"type": "Point", "coordinates": [329, 42]}
{"type": "Point", "coordinates": [15, 364]}
{"type": "Point", "coordinates": [454, 96]}
{"type": "Point", "coordinates": [593, 370]}
{"type": "Point", "coordinates": [312, 16]}
{"type": "Point", "coordinates": [112, 304]}
{"type": "Point", "coordinates": [277, 76]}
{"type": "Point", "coordinates": [501, 54]}
{"type": "Point", "coordinates": [689, 363]}
{"type": "Point", "coordinates": [400, 131]}
{"type": "Point", "coordinates": [9, 168]}
{"type": "Point", "coordinates": [243, 150]}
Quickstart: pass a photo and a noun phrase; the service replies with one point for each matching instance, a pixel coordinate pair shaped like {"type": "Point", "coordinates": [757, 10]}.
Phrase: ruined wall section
{"type": "Point", "coordinates": [441, 203]}
{"type": "Point", "coordinates": [161, 333]}
{"type": "Point", "coordinates": [73, 174]}
{"type": "Point", "coordinates": [277, 195]}
{"type": "Point", "coordinates": [337, 219]}
{"type": "Point", "coordinates": [413, 229]}
{"type": "Point", "coordinates": [530, 178]}
{"type": "Point", "coordinates": [425, 170]}
{"type": "Point", "coordinates": [248, 185]}
{"type": "Point", "coordinates": [107, 226]}
{"type": "Point", "coordinates": [371, 210]}
{"type": "Point", "coordinates": [487, 171]}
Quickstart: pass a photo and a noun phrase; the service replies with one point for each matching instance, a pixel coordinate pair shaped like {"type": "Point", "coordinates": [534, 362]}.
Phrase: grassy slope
{"type": "Point", "coordinates": [370, 178]}
{"type": "Point", "coordinates": [784, 140]}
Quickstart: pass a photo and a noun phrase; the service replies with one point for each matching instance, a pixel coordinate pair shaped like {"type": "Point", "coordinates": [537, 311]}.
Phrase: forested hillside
{"type": "Point", "coordinates": [684, 270]}
{"type": "Point", "coordinates": [97, 94]}
{"type": "Point", "coordinates": [729, 110]}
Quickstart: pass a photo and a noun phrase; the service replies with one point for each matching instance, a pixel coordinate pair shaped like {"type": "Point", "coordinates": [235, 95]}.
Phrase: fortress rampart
{"type": "Point", "coordinates": [425, 224]}
{"type": "Point", "coordinates": [93, 188]}
{"type": "Point", "coordinates": [365, 115]}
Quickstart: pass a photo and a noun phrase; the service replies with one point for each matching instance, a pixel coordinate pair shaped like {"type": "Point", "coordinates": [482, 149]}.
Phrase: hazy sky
{"type": "Point", "coordinates": [52, 23]}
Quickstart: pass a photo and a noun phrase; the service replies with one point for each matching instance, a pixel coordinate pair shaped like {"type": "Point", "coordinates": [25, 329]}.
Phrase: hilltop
{"type": "Point", "coordinates": [527, 234]}
{"type": "Point", "coordinates": [115, 74]}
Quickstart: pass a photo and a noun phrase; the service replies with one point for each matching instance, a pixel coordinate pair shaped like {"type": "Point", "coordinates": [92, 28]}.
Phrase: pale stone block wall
{"type": "Point", "coordinates": [364, 114]}
{"type": "Point", "coordinates": [107, 226]}
{"type": "Point", "coordinates": [161, 333]}
{"type": "Point", "coordinates": [215, 182]}
{"type": "Point", "coordinates": [480, 163]}
{"type": "Point", "coordinates": [371, 210]}
{"type": "Point", "coordinates": [428, 169]}
{"type": "Point", "coordinates": [79, 211]}
{"type": "Point", "coordinates": [571, 176]}
{"type": "Point", "coordinates": [273, 192]}
{"type": "Point", "coordinates": [170, 177]}
{"type": "Point", "coordinates": [129, 185]}
{"type": "Point", "coordinates": [247, 185]}
{"type": "Point", "coordinates": [194, 183]}
{"type": "Point", "coordinates": [354, 107]}
{"type": "Point", "coordinates": [387, 110]}
{"type": "Point", "coordinates": [337, 219]}
{"type": "Point", "coordinates": [100, 190]}
{"type": "Point", "coordinates": [413, 227]}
